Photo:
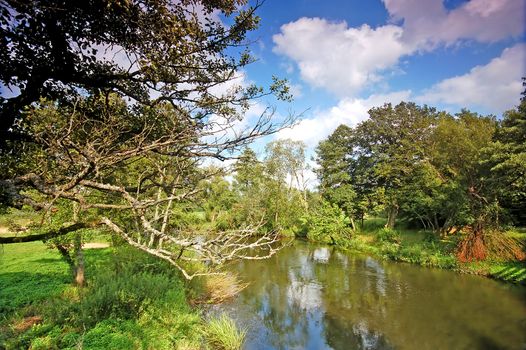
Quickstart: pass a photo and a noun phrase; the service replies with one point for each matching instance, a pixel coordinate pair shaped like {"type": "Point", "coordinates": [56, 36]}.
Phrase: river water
{"type": "Point", "coordinates": [316, 297]}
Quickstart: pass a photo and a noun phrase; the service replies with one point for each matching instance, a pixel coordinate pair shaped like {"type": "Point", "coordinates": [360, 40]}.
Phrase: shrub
{"type": "Point", "coordinates": [128, 285]}
{"type": "Point", "coordinates": [114, 334]}
{"type": "Point", "coordinates": [390, 250]}
{"type": "Point", "coordinates": [328, 224]}
{"type": "Point", "coordinates": [388, 235]}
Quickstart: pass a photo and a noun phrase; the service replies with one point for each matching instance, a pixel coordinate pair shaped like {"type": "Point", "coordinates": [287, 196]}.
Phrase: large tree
{"type": "Point", "coordinates": [147, 50]}
{"type": "Point", "coordinates": [506, 158]}
{"type": "Point", "coordinates": [337, 184]}
{"type": "Point", "coordinates": [127, 143]}
{"type": "Point", "coordinates": [393, 143]}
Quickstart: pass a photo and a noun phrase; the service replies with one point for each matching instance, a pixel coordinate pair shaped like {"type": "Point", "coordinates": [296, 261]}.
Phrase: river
{"type": "Point", "coordinates": [317, 297]}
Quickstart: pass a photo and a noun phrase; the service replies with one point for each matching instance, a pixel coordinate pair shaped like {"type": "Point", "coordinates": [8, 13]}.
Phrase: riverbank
{"type": "Point", "coordinates": [131, 301]}
{"type": "Point", "coordinates": [425, 249]}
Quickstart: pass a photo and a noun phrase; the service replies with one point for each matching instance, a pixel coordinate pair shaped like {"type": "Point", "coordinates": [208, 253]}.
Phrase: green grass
{"type": "Point", "coordinates": [21, 218]}
{"type": "Point", "coordinates": [30, 273]}
{"type": "Point", "coordinates": [131, 301]}
{"type": "Point", "coordinates": [223, 334]}
{"type": "Point", "coordinates": [508, 271]}
{"type": "Point", "coordinates": [427, 249]}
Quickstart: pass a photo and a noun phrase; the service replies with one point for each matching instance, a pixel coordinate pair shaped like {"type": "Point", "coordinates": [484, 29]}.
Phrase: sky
{"type": "Point", "coordinates": [343, 57]}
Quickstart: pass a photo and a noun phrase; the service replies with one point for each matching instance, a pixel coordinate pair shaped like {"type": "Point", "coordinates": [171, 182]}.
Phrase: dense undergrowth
{"type": "Point", "coordinates": [131, 301]}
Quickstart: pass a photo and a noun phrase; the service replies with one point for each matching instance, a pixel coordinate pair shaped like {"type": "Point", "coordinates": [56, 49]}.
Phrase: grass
{"type": "Point", "coordinates": [132, 301]}
{"type": "Point", "coordinates": [427, 249]}
{"type": "Point", "coordinates": [223, 334]}
{"type": "Point", "coordinates": [18, 217]}
{"type": "Point", "coordinates": [30, 273]}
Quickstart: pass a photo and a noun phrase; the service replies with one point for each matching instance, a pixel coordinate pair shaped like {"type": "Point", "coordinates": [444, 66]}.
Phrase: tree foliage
{"type": "Point", "coordinates": [437, 171]}
{"type": "Point", "coordinates": [148, 51]}
{"type": "Point", "coordinates": [128, 142]}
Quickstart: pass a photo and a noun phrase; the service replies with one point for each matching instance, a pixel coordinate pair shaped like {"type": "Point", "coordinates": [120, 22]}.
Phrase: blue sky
{"type": "Point", "coordinates": [343, 57]}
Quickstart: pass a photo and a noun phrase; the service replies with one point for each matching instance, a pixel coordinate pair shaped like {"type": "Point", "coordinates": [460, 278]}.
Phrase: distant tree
{"type": "Point", "coordinates": [393, 143]}
{"type": "Point", "coordinates": [285, 161]}
{"type": "Point", "coordinates": [334, 172]}
{"type": "Point", "coordinates": [505, 159]}
{"type": "Point", "coordinates": [286, 191]}
{"type": "Point", "coordinates": [457, 150]}
{"type": "Point", "coordinates": [248, 172]}
{"type": "Point", "coordinates": [217, 198]}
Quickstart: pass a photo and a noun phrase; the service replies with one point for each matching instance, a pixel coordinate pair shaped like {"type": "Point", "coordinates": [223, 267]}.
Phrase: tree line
{"type": "Point", "coordinates": [437, 171]}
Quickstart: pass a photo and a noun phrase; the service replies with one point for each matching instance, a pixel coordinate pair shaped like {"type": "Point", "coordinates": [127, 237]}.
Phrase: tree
{"type": "Point", "coordinates": [506, 158]}
{"type": "Point", "coordinates": [286, 188]}
{"type": "Point", "coordinates": [148, 51]}
{"type": "Point", "coordinates": [217, 197]}
{"type": "Point", "coordinates": [393, 142]}
{"type": "Point", "coordinates": [249, 185]}
{"type": "Point", "coordinates": [127, 162]}
{"type": "Point", "coordinates": [337, 184]}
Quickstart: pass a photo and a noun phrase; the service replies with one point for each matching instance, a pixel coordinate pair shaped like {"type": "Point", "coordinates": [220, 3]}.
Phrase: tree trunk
{"type": "Point", "coordinates": [79, 269]}
{"type": "Point", "coordinates": [391, 216]}
{"type": "Point", "coordinates": [353, 225]}
{"type": "Point", "coordinates": [79, 257]}
{"type": "Point", "coordinates": [362, 218]}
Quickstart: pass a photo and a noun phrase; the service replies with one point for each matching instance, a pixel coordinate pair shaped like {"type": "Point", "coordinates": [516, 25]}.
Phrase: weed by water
{"type": "Point", "coordinates": [223, 334]}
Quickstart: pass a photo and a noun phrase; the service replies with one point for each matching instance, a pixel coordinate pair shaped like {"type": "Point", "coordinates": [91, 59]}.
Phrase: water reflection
{"type": "Point", "coordinates": [309, 297]}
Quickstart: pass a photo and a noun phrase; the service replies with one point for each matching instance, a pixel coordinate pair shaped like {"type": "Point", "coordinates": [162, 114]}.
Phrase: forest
{"type": "Point", "coordinates": [147, 156]}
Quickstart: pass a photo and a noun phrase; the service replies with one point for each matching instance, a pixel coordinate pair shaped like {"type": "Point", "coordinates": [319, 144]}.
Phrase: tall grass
{"type": "Point", "coordinates": [223, 334]}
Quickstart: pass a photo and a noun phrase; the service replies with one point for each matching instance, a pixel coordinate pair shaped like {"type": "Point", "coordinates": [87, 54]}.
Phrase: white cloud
{"type": "Point", "coordinates": [341, 59]}
{"type": "Point", "coordinates": [348, 111]}
{"type": "Point", "coordinates": [296, 90]}
{"type": "Point", "coordinates": [427, 23]}
{"type": "Point", "coordinates": [344, 60]}
{"type": "Point", "coordinates": [495, 86]}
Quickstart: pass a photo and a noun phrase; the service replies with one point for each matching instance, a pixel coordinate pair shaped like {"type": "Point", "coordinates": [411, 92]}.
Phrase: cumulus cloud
{"type": "Point", "coordinates": [495, 86]}
{"type": "Point", "coordinates": [341, 59]}
{"type": "Point", "coordinates": [427, 23]}
{"type": "Point", "coordinates": [345, 60]}
{"type": "Point", "coordinates": [349, 111]}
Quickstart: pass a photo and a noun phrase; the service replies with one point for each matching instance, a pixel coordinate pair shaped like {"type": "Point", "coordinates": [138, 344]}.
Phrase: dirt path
{"type": "Point", "coordinates": [95, 245]}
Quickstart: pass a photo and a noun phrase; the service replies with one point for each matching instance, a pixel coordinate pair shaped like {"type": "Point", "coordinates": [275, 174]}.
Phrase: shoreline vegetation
{"type": "Point", "coordinates": [132, 300]}
{"type": "Point", "coordinates": [427, 249]}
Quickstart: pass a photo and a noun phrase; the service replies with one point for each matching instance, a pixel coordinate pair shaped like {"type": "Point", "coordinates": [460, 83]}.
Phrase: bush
{"type": "Point", "coordinates": [328, 224]}
{"type": "Point", "coordinates": [114, 334]}
{"type": "Point", "coordinates": [388, 235]}
{"type": "Point", "coordinates": [131, 301]}
{"type": "Point", "coordinates": [426, 256]}
{"type": "Point", "coordinates": [127, 286]}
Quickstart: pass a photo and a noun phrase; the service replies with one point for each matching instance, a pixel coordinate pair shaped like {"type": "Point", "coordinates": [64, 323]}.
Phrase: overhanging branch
{"type": "Point", "coordinates": [45, 235]}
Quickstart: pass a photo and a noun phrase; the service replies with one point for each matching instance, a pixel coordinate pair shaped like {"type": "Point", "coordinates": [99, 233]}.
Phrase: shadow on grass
{"type": "Point", "coordinates": [48, 260]}
{"type": "Point", "coordinates": [40, 278]}
{"type": "Point", "coordinates": [513, 273]}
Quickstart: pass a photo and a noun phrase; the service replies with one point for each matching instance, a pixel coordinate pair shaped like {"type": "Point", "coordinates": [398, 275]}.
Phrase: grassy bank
{"type": "Point", "coordinates": [132, 301]}
{"type": "Point", "coordinates": [426, 249]}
